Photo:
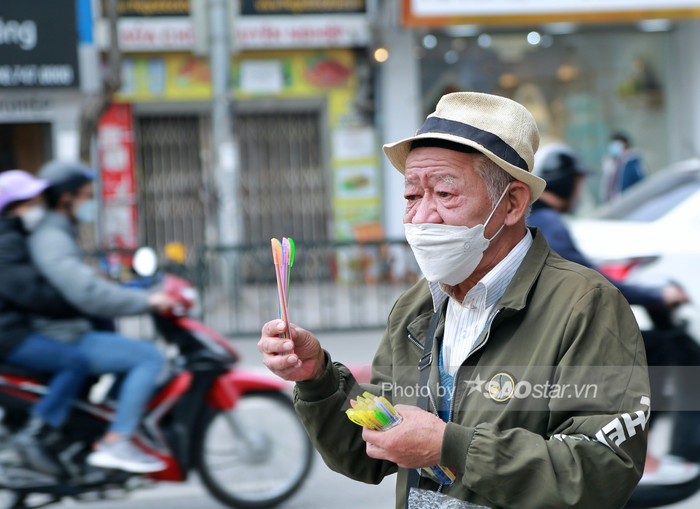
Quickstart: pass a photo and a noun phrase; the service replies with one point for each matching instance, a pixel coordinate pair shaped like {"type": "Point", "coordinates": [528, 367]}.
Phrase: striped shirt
{"type": "Point", "coordinates": [465, 321]}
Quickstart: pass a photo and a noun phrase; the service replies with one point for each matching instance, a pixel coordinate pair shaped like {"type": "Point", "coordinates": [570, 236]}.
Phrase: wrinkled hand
{"type": "Point", "coordinates": [674, 295]}
{"type": "Point", "coordinates": [296, 359]}
{"type": "Point", "coordinates": [161, 302]}
{"type": "Point", "coordinates": [414, 443]}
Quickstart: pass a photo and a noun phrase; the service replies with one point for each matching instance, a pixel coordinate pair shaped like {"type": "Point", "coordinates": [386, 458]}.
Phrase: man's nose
{"type": "Point", "coordinates": [426, 212]}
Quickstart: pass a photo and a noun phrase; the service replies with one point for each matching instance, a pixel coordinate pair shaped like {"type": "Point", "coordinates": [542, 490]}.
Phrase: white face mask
{"type": "Point", "coordinates": [32, 217]}
{"type": "Point", "coordinates": [449, 254]}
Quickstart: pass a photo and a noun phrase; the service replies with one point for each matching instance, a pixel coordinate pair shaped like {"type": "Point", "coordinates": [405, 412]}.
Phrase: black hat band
{"type": "Point", "coordinates": [488, 140]}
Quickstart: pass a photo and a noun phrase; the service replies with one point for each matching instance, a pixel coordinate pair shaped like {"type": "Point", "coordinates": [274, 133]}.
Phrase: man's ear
{"type": "Point", "coordinates": [517, 200]}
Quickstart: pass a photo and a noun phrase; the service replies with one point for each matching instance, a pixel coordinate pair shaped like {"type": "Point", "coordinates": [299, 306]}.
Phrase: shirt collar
{"type": "Point", "coordinates": [495, 281]}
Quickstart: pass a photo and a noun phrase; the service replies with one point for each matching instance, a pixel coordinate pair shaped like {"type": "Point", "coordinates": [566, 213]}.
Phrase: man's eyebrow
{"type": "Point", "coordinates": [445, 178]}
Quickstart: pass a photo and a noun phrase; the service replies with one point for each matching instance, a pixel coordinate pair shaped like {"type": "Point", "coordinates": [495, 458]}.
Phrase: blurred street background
{"type": "Point", "coordinates": [215, 125]}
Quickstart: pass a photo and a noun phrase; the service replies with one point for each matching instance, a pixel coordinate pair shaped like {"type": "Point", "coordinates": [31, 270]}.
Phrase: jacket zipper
{"type": "Point", "coordinates": [486, 338]}
{"type": "Point", "coordinates": [414, 340]}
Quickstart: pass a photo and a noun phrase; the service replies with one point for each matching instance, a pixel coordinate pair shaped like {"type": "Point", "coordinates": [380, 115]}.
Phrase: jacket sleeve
{"type": "Point", "coordinates": [56, 256]}
{"type": "Point", "coordinates": [593, 454]}
{"type": "Point", "coordinates": [321, 406]}
{"type": "Point", "coordinates": [25, 288]}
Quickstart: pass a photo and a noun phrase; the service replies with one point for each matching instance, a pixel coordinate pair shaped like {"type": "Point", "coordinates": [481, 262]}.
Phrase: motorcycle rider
{"type": "Point", "coordinates": [24, 291]}
{"type": "Point", "coordinates": [561, 168]}
{"type": "Point", "coordinates": [55, 251]}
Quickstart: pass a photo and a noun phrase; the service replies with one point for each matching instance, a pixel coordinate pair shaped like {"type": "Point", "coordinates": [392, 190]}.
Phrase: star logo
{"type": "Point", "coordinates": [475, 385]}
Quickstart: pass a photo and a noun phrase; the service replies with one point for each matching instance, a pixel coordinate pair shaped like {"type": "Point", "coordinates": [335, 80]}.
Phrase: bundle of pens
{"type": "Point", "coordinates": [283, 255]}
{"type": "Point", "coordinates": [375, 412]}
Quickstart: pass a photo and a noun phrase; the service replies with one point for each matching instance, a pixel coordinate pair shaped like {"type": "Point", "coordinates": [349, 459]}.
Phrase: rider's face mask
{"type": "Point", "coordinates": [449, 254]}
{"type": "Point", "coordinates": [32, 217]}
{"type": "Point", "coordinates": [86, 212]}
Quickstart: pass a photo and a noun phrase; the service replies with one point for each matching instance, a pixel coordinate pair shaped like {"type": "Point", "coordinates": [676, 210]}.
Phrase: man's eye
{"type": "Point", "coordinates": [443, 194]}
{"type": "Point", "coordinates": [412, 197]}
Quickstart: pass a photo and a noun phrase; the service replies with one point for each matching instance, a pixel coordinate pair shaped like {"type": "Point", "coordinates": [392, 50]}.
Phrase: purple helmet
{"type": "Point", "coordinates": [16, 185]}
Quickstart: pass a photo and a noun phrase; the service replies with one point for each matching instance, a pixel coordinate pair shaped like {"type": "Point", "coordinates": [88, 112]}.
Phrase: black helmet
{"type": "Point", "coordinates": [64, 177]}
{"type": "Point", "coordinates": [558, 165]}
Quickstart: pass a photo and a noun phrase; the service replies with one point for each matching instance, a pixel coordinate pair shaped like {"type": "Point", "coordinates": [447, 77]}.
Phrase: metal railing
{"type": "Point", "coordinates": [335, 286]}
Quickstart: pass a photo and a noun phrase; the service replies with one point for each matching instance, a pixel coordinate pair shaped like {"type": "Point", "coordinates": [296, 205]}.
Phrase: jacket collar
{"type": "Point", "coordinates": [517, 293]}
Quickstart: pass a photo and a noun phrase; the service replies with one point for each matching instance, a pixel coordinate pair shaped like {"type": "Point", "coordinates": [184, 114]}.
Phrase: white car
{"type": "Point", "coordinates": [651, 236]}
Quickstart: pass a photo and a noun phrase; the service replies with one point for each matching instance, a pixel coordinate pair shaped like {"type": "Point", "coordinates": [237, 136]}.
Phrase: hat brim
{"type": "Point", "coordinates": [29, 191]}
{"type": "Point", "coordinates": [398, 152]}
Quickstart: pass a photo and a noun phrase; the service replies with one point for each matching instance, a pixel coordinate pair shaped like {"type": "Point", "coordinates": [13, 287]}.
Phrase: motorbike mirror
{"type": "Point", "coordinates": [145, 262]}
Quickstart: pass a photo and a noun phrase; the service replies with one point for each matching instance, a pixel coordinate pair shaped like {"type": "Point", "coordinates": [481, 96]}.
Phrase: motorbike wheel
{"type": "Point", "coordinates": [255, 455]}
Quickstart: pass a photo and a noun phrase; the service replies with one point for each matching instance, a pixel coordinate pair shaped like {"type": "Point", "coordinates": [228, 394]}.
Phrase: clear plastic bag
{"type": "Point", "coordinates": [426, 499]}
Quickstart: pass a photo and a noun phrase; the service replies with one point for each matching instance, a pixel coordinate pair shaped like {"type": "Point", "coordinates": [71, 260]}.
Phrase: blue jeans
{"type": "Point", "coordinates": [140, 363]}
{"type": "Point", "coordinates": [67, 361]}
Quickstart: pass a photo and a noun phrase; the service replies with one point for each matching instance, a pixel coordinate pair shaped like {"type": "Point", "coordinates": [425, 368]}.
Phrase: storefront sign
{"type": "Point", "coordinates": [38, 44]}
{"type": "Point", "coordinates": [171, 77]}
{"type": "Point", "coordinates": [261, 77]}
{"type": "Point", "coordinates": [157, 34]}
{"type": "Point", "coordinates": [185, 77]}
{"type": "Point", "coordinates": [443, 12]}
{"type": "Point", "coordinates": [115, 139]}
{"type": "Point", "coordinates": [276, 32]}
{"type": "Point", "coordinates": [177, 33]}
{"type": "Point", "coordinates": [151, 7]}
{"type": "Point", "coordinates": [301, 6]}
{"type": "Point", "coordinates": [25, 108]}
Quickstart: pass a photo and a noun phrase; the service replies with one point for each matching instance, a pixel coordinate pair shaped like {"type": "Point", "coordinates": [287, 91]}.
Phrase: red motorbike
{"type": "Point", "coordinates": [236, 428]}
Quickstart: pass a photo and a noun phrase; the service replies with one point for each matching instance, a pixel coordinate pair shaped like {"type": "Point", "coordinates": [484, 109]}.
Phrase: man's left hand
{"type": "Point", "coordinates": [414, 443]}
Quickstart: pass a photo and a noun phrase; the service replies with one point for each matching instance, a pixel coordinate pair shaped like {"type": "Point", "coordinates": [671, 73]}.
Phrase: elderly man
{"type": "Point", "coordinates": [521, 372]}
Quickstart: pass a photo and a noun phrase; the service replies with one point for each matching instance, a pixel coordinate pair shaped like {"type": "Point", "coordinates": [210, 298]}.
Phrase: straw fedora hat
{"type": "Point", "coordinates": [501, 129]}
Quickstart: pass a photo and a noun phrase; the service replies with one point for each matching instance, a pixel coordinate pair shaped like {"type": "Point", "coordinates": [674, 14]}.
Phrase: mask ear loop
{"type": "Point", "coordinates": [494, 210]}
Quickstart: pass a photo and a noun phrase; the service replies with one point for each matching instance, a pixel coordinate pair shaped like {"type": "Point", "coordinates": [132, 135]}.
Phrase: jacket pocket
{"type": "Point", "coordinates": [414, 341]}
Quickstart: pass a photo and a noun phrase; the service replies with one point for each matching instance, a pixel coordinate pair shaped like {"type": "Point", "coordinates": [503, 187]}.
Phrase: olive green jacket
{"type": "Point", "coordinates": [549, 409]}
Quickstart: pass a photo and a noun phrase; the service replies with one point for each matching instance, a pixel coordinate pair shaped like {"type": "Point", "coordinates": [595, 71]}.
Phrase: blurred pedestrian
{"type": "Point", "coordinates": [622, 168]}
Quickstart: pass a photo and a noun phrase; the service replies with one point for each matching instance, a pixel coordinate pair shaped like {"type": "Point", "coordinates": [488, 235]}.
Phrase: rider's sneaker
{"type": "Point", "coordinates": [671, 470]}
{"type": "Point", "coordinates": [124, 455]}
{"type": "Point", "coordinates": [28, 443]}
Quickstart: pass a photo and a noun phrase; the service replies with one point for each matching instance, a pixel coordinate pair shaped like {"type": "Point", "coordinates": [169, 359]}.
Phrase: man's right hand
{"type": "Point", "coordinates": [297, 359]}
